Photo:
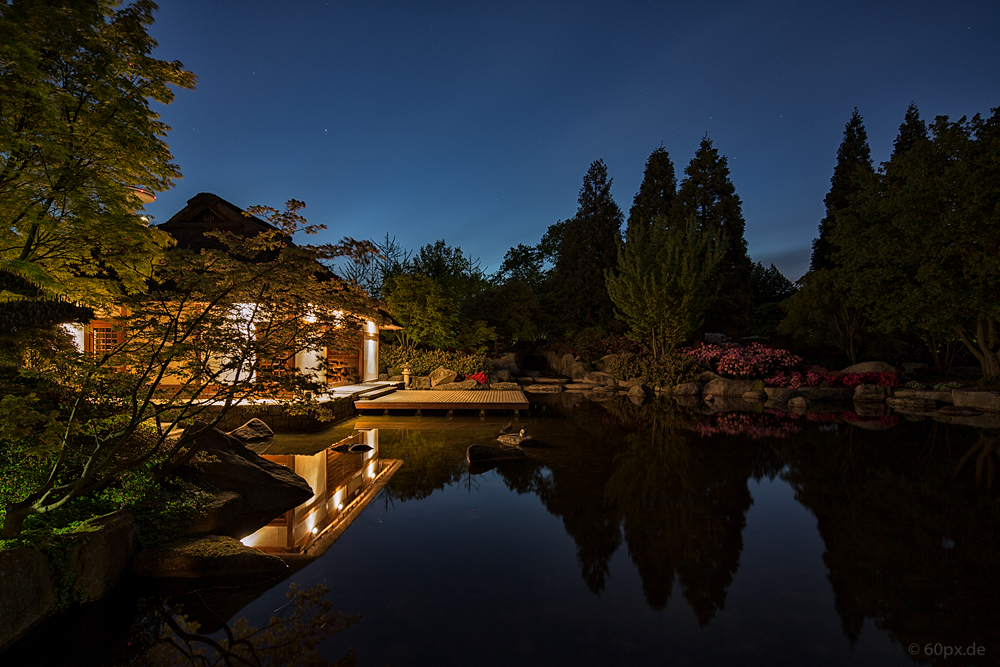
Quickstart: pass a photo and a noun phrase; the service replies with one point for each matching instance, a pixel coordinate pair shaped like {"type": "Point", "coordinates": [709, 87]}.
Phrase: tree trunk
{"type": "Point", "coordinates": [986, 347]}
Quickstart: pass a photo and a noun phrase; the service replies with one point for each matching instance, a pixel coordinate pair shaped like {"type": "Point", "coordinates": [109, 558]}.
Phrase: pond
{"type": "Point", "coordinates": [650, 534]}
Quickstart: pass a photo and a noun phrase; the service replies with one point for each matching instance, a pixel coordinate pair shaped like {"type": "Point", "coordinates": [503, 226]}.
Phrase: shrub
{"type": "Point", "coordinates": [745, 362]}
{"type": "Point", "coordinates": [423, 362]}
{"type": "Point", "coordinates": [913, 384]}
{"type": "Point", "coordinates": [670, 370]}
{"type": "Point", "coordinates": [947, 386]}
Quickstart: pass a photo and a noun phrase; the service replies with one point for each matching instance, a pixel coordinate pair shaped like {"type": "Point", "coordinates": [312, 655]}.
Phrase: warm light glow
{"type": "Point", "coordinates": [251, 539]}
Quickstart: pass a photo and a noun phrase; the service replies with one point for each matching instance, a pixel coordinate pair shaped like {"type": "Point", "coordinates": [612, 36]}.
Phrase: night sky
{"type": "Point", "coordinates": [476, 122]}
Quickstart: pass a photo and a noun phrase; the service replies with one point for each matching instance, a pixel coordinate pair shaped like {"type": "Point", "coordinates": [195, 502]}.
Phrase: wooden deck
{"type": "Point", "coordinates": [418, 400]}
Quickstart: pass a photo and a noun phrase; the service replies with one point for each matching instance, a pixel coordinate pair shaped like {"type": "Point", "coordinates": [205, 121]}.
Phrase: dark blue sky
{"type": "Point", "coordinates": [476, 122]}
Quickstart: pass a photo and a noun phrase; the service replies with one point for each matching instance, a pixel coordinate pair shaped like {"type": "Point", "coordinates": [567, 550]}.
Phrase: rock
{"type": "Point", "coordinates": [505, 362]}
{"type": "Point", "coordinates": [514, 440]}
{"type": "Point", "coordinates": [956, 411]}
{"type": "Point", "coordinates": [688, 389]}
{"type": "Point", "coordinates": [102, 552]}
{"type": "Point", "coordinates": [870, 367]}
{"type": "Point", "coordinates": [532, 374]}
{"type": "Point", "coordinates": [987, 401]}
{"type": "Point", "coordinates": [27, 594]}
{"type": "Point", "coordinates": [605, 390]}
{"type": "Point", "coordinates": [483, 453]}
{"type": "Point", "coordinates": [940, 396]}
{"type": "Point", "coordinates": [911, 369]}
{"type": "Point", "coordinates": [628, 384]}
{"type": "Point", "coordinates": [755, 396]}
{"type": "Point", "coordinates": [420, 382]}
{"type": "Point", "coordinates": [542, 388]}
{"type": "Point", "coordinates": [870, 410]}
{"type": "Point", "coordinates": [604, 363]}
{"type": "Point", "coordinates": [799, 403]}
{"type": "Point", "coordinates": [464, 385]}
{"type": "Point", "coordinates": [827, 393]}
{"type": "Point", "coordinates": [708, 376]}
{"type": "Point", "coordinates": [383, 377]}
{"type": "Point", "coordinates": [871, 393]}
{"type": "Point", "coordinates": [727, 387]}
{"type": "Point", "coordinates": [640, 390]}
{"type": "Point", "coordinates": [599, 377]}
{"type": "Point", "coordinates": [581, 386]}
{"type": "Point", "coordinates": [396, 378]}
{"type": "Point", "coordinates": [268, 489]}
{"type": "Point", "coordinates": [524, 379]}
{"type": "Point", "coordinates": [222, 513]}
{"type": "Point", "coordinates": [502, 376]}
{"type": "Point", "coordinates": [252, 431]}
{"type": "Point", "coordinates": [688, 401]}
{"type": "Point", "coordinates": [910, 403]}
{"type": "Point", "coordinates": [716, 338]}
{"type": "Point", "coordinates": [442, 375]}
{"type": "Point", "coordinates": [505, 386]}
{"type": "Point", "coordinates": [207, 556]}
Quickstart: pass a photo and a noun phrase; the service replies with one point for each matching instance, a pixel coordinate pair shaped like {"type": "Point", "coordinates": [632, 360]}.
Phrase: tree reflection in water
{"type": "Point", "coordinates": [289, 638]}
{"type": "Point", "coordinates": [908, 545]}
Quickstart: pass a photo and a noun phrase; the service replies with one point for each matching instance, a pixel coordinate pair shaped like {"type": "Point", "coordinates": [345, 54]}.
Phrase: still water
{"type": "Point", "coordinates": [653, 535]}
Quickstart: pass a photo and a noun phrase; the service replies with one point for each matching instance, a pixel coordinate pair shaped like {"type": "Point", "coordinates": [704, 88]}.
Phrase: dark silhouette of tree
{"type": "Point", "coordinates": [589, 247]}
{"type": "Point", "coordinates": [656, 192]}
{"type": "Point", "coordinates": [912, 132]}
{"type": "Point", "coordinates": [707, 195]}
{"type": "Point", "coordinates": [854, 165]}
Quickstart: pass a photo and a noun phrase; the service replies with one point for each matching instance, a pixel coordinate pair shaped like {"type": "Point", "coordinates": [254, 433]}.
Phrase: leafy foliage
{"type": "Point", "coordinates": [669, 370]}
{"type": "Point", "coordinates": [76, 128]}
{"type": "Point", "coordinates": [422, 362]}
{"type": "Point", "coordinates": [220, 328]}
{"type": "Point", "coordinates": [747, 362]}
{"type": "Point", "coordinates": [664, 282]}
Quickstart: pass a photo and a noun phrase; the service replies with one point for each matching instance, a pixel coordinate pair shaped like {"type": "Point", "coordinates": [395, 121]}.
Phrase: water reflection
{"type": "Point", "coordinates": [905, 508]}
{"type": "Point", "coordinates": [344, 478]}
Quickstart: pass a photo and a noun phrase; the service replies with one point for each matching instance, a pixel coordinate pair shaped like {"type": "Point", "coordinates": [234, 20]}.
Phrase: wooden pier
{"type": "Point", "coordinates": [451, 400]}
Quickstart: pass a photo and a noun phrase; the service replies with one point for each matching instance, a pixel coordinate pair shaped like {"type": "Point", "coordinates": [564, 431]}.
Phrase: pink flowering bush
{"type": "Point", "coordinates": [745, 362]}
{"type": "Point", "coordinates": [817, 376]}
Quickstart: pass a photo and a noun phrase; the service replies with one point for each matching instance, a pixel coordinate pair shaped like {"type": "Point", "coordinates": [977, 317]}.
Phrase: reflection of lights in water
{"type": "Point", "coordinates": [315, 530]}
{"type": "Point", "coordinates": [371, 471]}
{"type": "Point", "coordinates": [251, 539]}
{"type": "Point", "coordinates": [340, 506]}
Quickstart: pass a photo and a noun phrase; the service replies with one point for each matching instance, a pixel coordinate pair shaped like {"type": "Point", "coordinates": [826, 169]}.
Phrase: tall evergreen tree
{"type": "Point", "coordinates": [854, 167]}
{"type": "Point", "coordinates": [589, 248]}
{"type": "Point", "coordinates": [911, 132]}
{"type": "Point", "coordinates": [656, 192]}
{"type": "Point", "coordinates": [707, 195]}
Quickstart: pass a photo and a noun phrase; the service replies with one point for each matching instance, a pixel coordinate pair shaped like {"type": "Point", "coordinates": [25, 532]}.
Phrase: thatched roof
{"type": "Point", "coordinates": [208, 212]}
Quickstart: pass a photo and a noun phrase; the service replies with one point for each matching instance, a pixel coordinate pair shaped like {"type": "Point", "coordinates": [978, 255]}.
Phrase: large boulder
{"type": "Point", "coordinates": [987, 401]}
{"type": "Point", "coordinates": [102, 551]}
{"type": "Point", "coordinates": [252, 431]}
{"type": "Point", "coordinates": [442, 375]}
{"type": "Point", "coordinates": [599, 377]}
{"type": "Point", "coordinates": [464, 385]}
{"type": "Point", "coordinates": [726, 387]}
{"type": "Point", "coordinates": [420, 382]}
{"type": "Point", "coordinates": [640, 390]}
{"type": "Point", "coordinates": [268, 489]}
{"type": "Point", "coordinates": [688, 389]}
{"type": "Point", "coordinates": [604, 363]}
{"type": "Point", "coordinates": [222, 513]}
{"type": "Point", "coordinates": [207, 556]}
{"type": "Point", "coordinates": [871, 367]}
{"type": "Point", "coordinates": [502, 375]}
{"type": "Point", "coordinates": [27, 592]}
{"type": "Point", "coordinates": [505, 362]}
{"type": "Point", "coordinates": [871, 393]}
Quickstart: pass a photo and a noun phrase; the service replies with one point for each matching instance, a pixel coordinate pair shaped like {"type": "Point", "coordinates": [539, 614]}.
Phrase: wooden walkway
{"type": "Point", "coordinates": [409, 399]}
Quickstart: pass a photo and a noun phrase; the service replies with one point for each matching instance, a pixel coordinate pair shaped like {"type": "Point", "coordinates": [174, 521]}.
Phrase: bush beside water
{"type": "Point", "coordinates": [422, 362]}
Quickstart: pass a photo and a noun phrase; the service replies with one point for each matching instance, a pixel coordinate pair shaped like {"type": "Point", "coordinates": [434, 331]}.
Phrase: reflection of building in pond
{"type": "Point", "coordinates": [343, 481]}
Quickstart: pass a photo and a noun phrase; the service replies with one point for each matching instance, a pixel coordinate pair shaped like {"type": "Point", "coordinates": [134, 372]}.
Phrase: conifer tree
{"type": "Point", "coordinates": [589, 247]}
{"type": "Point", "coordinates": [707, 195]}
{"type": "Point", "coordinates": [854, 165]}
{"type": "Point", "coordinates": [656, 192]}
{"type": "Point", "coordinates": [911, 132]}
